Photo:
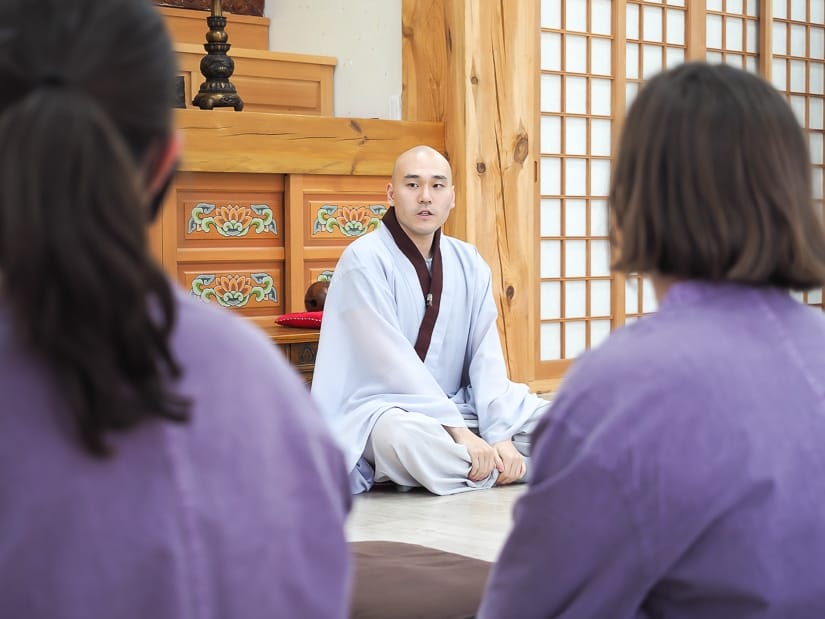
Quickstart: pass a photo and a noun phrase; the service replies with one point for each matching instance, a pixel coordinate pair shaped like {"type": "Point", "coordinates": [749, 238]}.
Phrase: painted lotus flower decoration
{"type": "Point", "coordinates": [351, 221]}
{"type": "Point", "coordinates": [232, 220]}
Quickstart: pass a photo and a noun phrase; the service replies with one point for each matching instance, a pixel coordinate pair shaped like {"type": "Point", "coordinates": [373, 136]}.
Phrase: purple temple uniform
{"type": "Point", "coordinates": [681, 470]}
{"type": "Point", "coordinates": [237, 514]}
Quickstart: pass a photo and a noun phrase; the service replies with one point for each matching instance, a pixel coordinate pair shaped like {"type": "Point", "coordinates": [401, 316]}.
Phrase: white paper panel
{"type": "Point", "coordinates": [600, 137]}
{"type": "Point", "coordinates": [550, 135]}
{"type": "Point", "coordinates": [575, 258]}
{"type": "Point", "coordinates": [796, 296]}
{"type": "Point", "coordinates": [715, 5]}
{"type": "Point", "coordinates": [550, 306]}
{"type": "Point", "coordinates": [601, 56]}
{"type": "Point", "coordinates": [550, 217]}
{"type": "Point", "coordinates": [675, 27]}
{"type": "Point", "coordinates": [550, 344]}
{"type": "Point", "coordinates": [575, 60]}
{"type": "Point", "coordinates": [815, 113]}
{"type": "Point", "coordinates": [675, 56]}
{"type": "Point", "coordinates": [550, 259]}
{"type": "Point", "coordinates": [575, 299]}
{"type": "Point", "coordinates": [630, 93]}
{"type": "Point", "coordinates": [780, 43]}
{"type": "Point", "coordinates": [753, 8]}
{"type": "Point", "coordinates": [575, 100]}
{"type": "Point", "coordinates": [599, 177]}
{"type": "Point", "coordinates": [575, 136]}
{"type": "Point", "coordinates": [798, 107]}
{"type": "Point", "coordinates": [817, 43]}
{"type": "Point", "coordinates": [734, 6]}
{"type": "Point", "coordinates": [651, 60]}
{"type": "Point", "coordinates": [648, 297]}
{"type": "Point", "coordinates": [599, 258]}
{"type": "Point", "coordinates": [714, 31]}
{"type": "Point", "coordinates": [714, 57]}
{"type": "Point", "coordinates": [576, 15]}
{"type": "Point", "coordinates": [817, 11]}
{"type": "Point", "coordinates": [752, 29]}
{"type": "Point", "coordinates": [815, 296]}
{"type": "Point", "coordinates": [734, 34]}
{"type": "Point", "coordinates": [735, 60]}
{"type": "Point", "coordinates": [632, 29]}
{"type": "Point", "coordinates": [575, 177]}
{"type": "Point", "coordinates": [817, 183]}
{"type": "Point", "coordinates": [750, 65]}
{"type": "Point", "coordinates": [816, 147]}
{"type": "Point", "coordinates": [600, 297]}
{"type": "Point", "coordinates": [779, 9]}
{"type": "Point", "coordinates": [550, 182]}
{"type": "Point", "coordinates": [599, 330]}
{"type": "Point", "coordinates": [797, 75]}
{"type": "Point", "coordinates": [600, 97]}
{"type": "Point", "coordinates": [601, 17]}
{"type": "Point", "coordinates": [575, 340]}
{"type": "Point", "coordinates": [551, 51]}
{"type": "Point", "coordinates": [551, 14]}
{"type": "Point", "coordinates": [632, 61]}
{"type": "Point", "coordinates": [798, 40]}
{"type": "Point", "coordinates": [598, 213]}
{"type": "Point", "coordinates": [798, 10]}
{"type": "Point", "coordinates": [652, 24]}
{"type": "Point", "coordinates": [550, 93]}
{"type": "Point", "coordinates": [575, 218]}
{"type": "Point", "coordinates": [778, 77]}
{"type": "Point", "coordinates": [676, 2]}
{"type": "Point", "coordinates": [631, 299]}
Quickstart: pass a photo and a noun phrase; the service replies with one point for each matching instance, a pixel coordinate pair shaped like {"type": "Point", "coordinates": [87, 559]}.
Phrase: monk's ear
{"type": "Point", "coordinates": [452, 198]}
{"type": "Point", "coordinates": [390, 194]}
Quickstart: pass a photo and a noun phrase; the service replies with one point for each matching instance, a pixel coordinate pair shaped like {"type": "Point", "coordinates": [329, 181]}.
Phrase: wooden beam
{"type": "Point", "coordinates": [227, 141]}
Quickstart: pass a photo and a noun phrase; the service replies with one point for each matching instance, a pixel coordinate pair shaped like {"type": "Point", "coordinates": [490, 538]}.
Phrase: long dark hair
{"type": "Point", "coordinates": [713, 181]}
{"type": "Point", "coordinates": [87, 106]}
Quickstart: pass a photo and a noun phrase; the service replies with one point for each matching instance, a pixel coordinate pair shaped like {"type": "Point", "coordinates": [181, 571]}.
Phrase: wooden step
{"type": "Point", "coordinates": [268, 81]}
{"type": "Point", "coordinates": [189, 26]}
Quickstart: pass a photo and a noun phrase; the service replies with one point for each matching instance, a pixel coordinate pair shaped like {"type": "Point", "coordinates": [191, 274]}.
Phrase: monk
{"type": "Point", "coordinates": [410, 372]}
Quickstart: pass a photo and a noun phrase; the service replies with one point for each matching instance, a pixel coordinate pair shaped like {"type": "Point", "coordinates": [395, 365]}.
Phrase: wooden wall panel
{"type": "Point", "coordinates": [326, 213]}
{"type": "Point", "coordinates": [223, 240]}
{"type": "Point", "coordinates": [476, 73]}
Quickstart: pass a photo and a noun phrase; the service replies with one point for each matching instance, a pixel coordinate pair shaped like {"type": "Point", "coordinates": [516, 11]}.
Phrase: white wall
{"type": "Point", "coordinates": [363, 35]}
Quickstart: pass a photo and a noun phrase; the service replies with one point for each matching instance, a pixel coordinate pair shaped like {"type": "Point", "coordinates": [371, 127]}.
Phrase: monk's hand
{"type": "Point", "coordinates": [513, 465]}
{"type": "Point", "coordinates": [483, 456]}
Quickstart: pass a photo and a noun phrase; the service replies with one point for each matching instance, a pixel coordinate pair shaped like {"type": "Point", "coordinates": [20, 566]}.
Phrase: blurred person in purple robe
{"type": "Point", "coordinates": [158, 457]}
{"type": "Point", "coordinates": [681, 470]}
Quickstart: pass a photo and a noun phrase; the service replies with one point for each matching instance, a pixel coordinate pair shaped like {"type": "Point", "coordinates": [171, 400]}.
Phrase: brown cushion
{"type": "Point", "coordinates": [394, 580]}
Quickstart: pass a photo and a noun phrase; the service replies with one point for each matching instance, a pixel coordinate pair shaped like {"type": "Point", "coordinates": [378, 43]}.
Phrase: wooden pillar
{"type": "Point", "coordinates": [696, 30]}
{"type": "Point", "coordinates": [766, 39]}
{"type": "Point", "coordinates": [473, 65]}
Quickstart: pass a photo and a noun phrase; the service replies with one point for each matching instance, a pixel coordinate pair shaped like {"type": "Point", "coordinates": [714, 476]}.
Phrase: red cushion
{"type": "Point", "coordinates": [305, 320]}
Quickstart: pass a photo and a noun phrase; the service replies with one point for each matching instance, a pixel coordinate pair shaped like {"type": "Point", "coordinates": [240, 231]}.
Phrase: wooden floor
{"type": "Point", "coordinates": [473, 523]}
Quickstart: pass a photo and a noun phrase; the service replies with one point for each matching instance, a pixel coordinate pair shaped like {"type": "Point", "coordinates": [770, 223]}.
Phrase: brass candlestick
{"type": "Point", "coordinates": [217, 67]}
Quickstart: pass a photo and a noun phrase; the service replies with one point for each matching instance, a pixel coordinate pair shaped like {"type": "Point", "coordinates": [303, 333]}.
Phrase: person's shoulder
{"type": "Point", "coordinates": [205, 331]}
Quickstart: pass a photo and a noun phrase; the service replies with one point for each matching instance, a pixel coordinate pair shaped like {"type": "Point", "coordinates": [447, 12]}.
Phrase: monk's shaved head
{"type": "Point", "coordinates": [416, 154]}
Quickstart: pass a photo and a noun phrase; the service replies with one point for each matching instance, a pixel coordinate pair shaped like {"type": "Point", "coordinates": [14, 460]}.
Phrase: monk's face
{"type": "Point", "coordinates": [423, 194]}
